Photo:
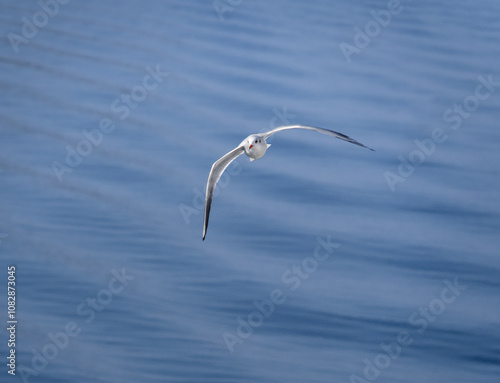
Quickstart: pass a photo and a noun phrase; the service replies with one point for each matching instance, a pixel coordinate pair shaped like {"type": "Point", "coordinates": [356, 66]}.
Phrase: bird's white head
{"type": "Point", "coordinates": [255, 146]}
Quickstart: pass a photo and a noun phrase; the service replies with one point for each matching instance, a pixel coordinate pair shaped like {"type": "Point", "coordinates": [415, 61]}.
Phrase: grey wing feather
{"type": "Point", "coordinates": [215, 173]}
{"type": "Point", "coordinates": [320, 130]}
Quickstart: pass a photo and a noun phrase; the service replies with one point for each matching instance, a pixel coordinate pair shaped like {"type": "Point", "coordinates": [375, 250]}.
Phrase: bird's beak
{"type": "Point", "coordinates": [250, 147]}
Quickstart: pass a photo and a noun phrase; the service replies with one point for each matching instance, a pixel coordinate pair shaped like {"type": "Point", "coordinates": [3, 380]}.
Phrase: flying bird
{"type": "Point", "coordinates": [254, 146]}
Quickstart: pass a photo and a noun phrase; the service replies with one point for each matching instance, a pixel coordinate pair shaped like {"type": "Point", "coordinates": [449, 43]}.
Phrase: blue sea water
{"type": "Point", "coordinates": [323, 262]}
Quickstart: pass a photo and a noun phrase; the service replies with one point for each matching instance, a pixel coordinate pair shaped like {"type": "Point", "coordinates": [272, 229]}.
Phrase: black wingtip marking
{"type": "Point", "coordinates": [364, 146]}
{"type": "Point", "coordinates": [360, 144]}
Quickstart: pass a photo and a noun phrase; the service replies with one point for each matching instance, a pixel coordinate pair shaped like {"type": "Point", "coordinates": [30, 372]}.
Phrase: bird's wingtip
{"type": "Point", "coordinates": [367, 147]}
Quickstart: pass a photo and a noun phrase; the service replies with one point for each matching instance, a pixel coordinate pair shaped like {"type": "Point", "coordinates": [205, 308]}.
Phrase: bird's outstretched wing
{"type": "Point", "coordinates": [217, 169]}
{"type": "Point", "coordinates": [320, 130]}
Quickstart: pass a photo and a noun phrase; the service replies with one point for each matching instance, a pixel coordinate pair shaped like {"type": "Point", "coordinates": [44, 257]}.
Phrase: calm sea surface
{"type": "Point", "coordinates": [323, 262]}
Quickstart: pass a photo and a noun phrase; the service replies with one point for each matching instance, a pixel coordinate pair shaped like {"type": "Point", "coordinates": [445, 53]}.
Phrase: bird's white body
{"type": "Point", "coordinates": [254, 146]}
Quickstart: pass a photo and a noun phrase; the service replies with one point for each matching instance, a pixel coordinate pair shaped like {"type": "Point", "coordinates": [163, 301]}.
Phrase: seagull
{"type": "Point", "coordinates": [254, 146]}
